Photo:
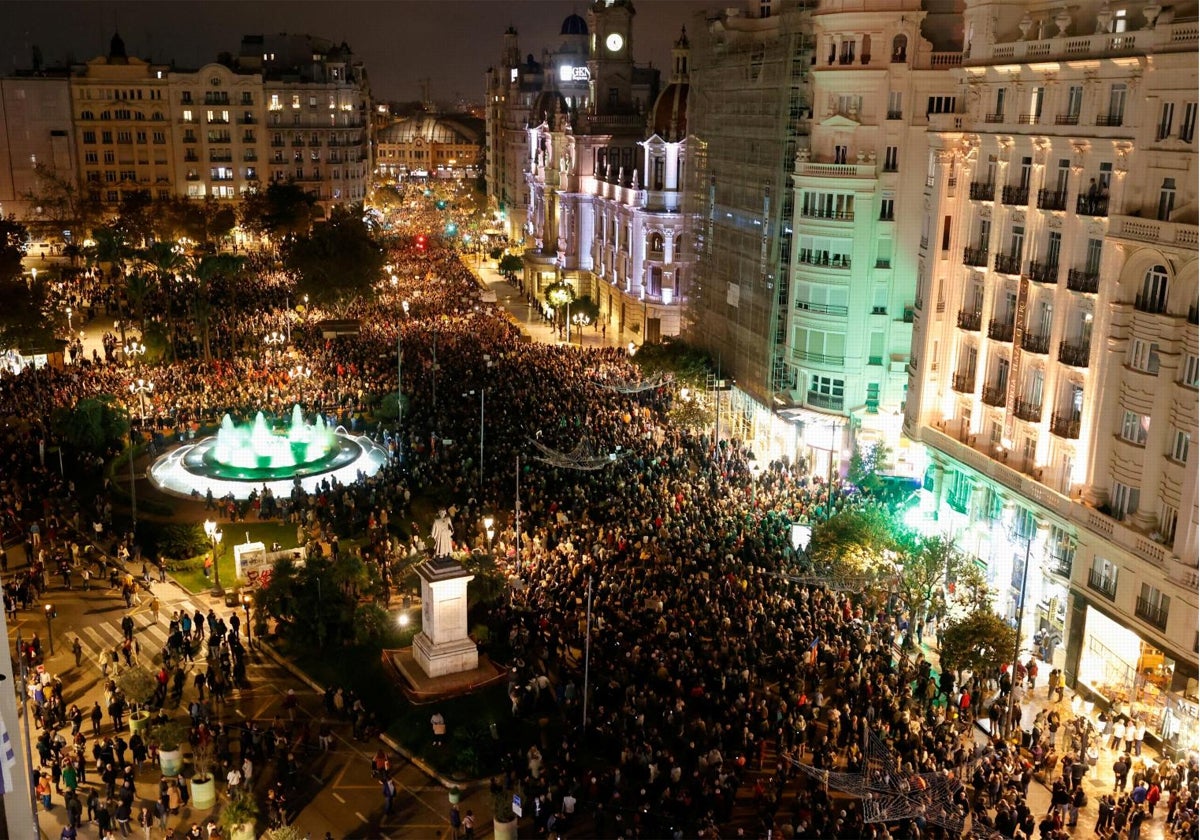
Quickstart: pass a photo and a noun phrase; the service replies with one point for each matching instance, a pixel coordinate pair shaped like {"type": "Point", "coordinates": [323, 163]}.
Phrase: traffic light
{"type": "Point", "coordinates": [441, 204]}
{"type": "Point", "coordinates": [421, 240]}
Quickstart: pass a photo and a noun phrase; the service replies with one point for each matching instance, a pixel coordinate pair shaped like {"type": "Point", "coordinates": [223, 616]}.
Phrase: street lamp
{"type": "Point", "coordinates": [134, 350]}
{"type": "Point", "coordinates": [141, 387]}
{"type": "Point", "coordinates": [214, 534]}
{"type": "Point", "coordinates": [246, 601]}
{"type": "Point", "coordinates": [581, 320]}
{"type": "Point", "coordinates": [70, 325]}
{"type": "Point", "coordinates": [50, 615]}
{"type": "Point", "coordinates": [274, 340]}
{"type": "Point", "coordinates": [489, 524]}
{"type": "Point", "coordinates": [755, 468]}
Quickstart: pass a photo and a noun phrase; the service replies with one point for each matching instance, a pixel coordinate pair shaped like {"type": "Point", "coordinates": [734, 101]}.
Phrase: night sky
{"type": "Point", "coordinates": [452, 42]}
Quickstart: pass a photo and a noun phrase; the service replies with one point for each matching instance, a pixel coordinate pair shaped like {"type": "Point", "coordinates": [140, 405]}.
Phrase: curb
{"type": "Point", "coordinates": [391, 742]}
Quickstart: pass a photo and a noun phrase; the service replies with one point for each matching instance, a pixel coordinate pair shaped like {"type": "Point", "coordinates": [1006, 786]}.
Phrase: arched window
{"type": "Point", "coordinates": [656, 243]}
{"type": "Point", "coordinates": [1153, 297]}
{"type": "Point", "coordinates": [900, 48]}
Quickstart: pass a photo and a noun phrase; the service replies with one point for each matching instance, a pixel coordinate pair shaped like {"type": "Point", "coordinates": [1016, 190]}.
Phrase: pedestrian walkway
{"type": "Point", "coordinates": [151, 634]}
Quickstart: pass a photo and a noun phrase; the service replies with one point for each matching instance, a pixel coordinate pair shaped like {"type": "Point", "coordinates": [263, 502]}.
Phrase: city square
{"type": "Point", "coordinates": [624, 456]}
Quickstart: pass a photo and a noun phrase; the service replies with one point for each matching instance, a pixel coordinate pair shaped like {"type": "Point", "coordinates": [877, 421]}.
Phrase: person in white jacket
{"type": "Point", "coordinates": [1117, 742]}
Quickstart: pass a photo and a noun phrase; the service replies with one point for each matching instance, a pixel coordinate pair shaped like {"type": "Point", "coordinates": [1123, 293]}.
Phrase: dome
{"type": "Point", "coordinates": [431, 129]}
{"type": "Point", "coordinates": [574, 25]}
{"type": "Point", "coordinates": [668, 117]}
{"type": "Point", "coordinates": [548, 105]}
{"type": "Point", "coordinates": [116, 47]}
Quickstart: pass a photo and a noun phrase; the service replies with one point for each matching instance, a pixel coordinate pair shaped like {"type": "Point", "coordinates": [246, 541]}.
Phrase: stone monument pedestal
{"type": "Point", "coordinates": [443, 646]}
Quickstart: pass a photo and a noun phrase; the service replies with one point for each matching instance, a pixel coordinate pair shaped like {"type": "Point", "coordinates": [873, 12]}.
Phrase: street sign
{"type": "Point", "coordinates": [517, 804]}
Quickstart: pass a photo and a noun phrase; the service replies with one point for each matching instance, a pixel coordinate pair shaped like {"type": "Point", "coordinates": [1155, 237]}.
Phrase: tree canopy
{"type": "Point", "coordinates": [96, 424]}
{"type": "Point", "coordinates": [861, 543]}
{"type": "Point", "coordinates": [980, 641]}
{"type": "Point", "coordinates": [24, 317]}
{"type": "Point", "coordinates": [337, 262]}
{"type": "Point", "coordinates": [282, 210]}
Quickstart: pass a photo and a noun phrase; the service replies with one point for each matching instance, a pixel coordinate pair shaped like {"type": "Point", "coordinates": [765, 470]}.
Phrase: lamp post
{"type": "Point", "coordinates": [134, 350]}
{"type": "Point", "coordinates": [274, 340]}
{"type": "Point", "coordinates": [472, 393]}
{"type": "Point", "coordinates": [70, 324]}
{"type": "Point", "coordinates": [489, 528]}
{"type": "Point", "coordinates": [141, 387]}
{"type": "Point", "coordinates": [755, 468]}
{"type": "Point", "coordinates": [581, 320]}
{"type": "Point", "coordinates": [214, 534]}
{"type": "Point", "coordinates": [246, 600]}
{"type": "Point", "coordinates": [50, 614]}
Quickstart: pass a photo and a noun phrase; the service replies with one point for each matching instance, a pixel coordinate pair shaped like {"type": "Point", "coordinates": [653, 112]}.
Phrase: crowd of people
{"type": "Point", "coordinates": [713, 652]}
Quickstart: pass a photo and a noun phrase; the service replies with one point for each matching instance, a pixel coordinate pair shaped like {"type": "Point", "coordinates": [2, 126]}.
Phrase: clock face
{"type": "Point", "coordinates": [614, 42]}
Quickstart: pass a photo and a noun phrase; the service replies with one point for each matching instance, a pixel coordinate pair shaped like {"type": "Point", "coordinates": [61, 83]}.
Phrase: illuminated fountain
{"type": "Point", "coordinates": [241, 459]}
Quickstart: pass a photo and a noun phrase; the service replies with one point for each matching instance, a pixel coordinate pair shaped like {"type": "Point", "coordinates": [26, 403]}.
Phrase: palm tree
{"type": "Point", "coordinates": [137, 289]}
{"type": "Point", "coordinates": [206, 270]}
{"type": "Point", "coordinates": [166, 260]}
{"type": "Point", "coordinates": [111, 246]}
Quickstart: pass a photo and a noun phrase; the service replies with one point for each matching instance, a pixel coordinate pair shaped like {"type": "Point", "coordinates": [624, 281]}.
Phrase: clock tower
{"type": "Point", "coordinates": [610, 56]}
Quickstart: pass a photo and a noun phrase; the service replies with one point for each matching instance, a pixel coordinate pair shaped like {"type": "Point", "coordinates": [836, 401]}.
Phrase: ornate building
{"type": "Point", "coordinates": [1054, 366]}
{"type": "Point", "coordinates": [427, 145]}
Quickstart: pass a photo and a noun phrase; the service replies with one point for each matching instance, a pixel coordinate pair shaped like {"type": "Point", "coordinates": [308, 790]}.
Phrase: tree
{"type": "Point", "coordinates": [136, 216]}
{"type": "Point", "coordinates": [337, 263]}
{"type": "Point", "coordinates": [510, 266]}
{"type": "Point", "coordinates": [284, 209]}
{"type": "Point", "coordinates": [923, 571]}
{"type": "Point", "coordinates": [166, 260]}
{"type": "Point", "coordinates": [980, 642]}
{"type": "Point", "coordinates": [59, 205]}
{"type": "Point", "coordinates": [206, 270]}
{"type": "Point", "coordinates": [971, 587]}
{"type": "Point", "coordinates": [95, 424]}
{"type": "Point", "coordinates": [111, 246]}
{"type": "Point", "coordinates": [859, 544]}
{"type": "Point", "coordinates": [689, 364]}
{"type": "Point", "coordinates": [25, 318]}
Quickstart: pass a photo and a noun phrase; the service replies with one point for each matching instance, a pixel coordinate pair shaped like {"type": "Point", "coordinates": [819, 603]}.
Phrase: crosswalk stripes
{"type": "Point", "coordinates": [151, 636]}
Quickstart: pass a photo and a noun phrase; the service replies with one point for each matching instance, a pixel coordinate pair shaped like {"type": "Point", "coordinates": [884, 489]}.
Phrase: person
{"type": "Point", "coordinates": [77, 649]}
{"type": "Point", "coordinates": [389, 795]}
{"type": "Point", "coordinates": [146, 821]}
{"type": "Point", "coordinates": [438, 723]}
{"type": "Point", "coordinates": [468, 825]}
{"type": "Point", "coordinates": [455, 821]}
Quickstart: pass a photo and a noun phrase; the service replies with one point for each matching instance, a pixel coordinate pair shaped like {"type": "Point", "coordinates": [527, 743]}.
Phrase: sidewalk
{"type": "Point", "coordinates": [1099, 779]}
{"type": "Point", "coordinates": [527, 317]}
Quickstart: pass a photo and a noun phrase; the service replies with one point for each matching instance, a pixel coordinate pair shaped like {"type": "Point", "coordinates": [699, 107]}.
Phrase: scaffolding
{"type": "Point", "coordinates": [747, 110]}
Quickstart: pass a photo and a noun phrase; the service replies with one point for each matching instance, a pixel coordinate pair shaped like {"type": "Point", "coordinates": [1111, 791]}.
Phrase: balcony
{"type": "Point", "coordinates": [983, 191]}
{"type": "Point", "coordinates": [1096, 205]}
{"type": "Point", "coordinates": [1106, 585]}
{"type": "Point", "coordinates": [277, 144]}
{"type": "Point", "coordinates": [1027, 119]}
{"type": "Point", "coordinates": [1039, 344]}
{"type": "Point", "coordinates": [1154, 304]}
{"type": "Point", "coordinates": [247, 121]}
{"type": "Point", "coordinates": [993, 118]}
{"type": "Point", "coordinates": [192, 158]}
{"type": "Point", "coordinates": [1075, 355]}
{"type": "Point", "coordinates": [1083, 280]}
{"type": "Point", "coordinates": [839, 215]}
{"type": "Point", "coordinates": [224, 157]}
{"type": "Point", "coordinates": [1014, 195]}
{"type": "Point", "coordinates": [832, 402]}
{"type": "Point", "coordinates": [895, 115]}
{"type": "Point", "coordinates": [1060, 564]}
{"type": "Point", "coordinates": [1151, 613]}
{"type": "Point", "coordinates": [963, 383]}
{"type": "Point", "coordinates": [824, 260]}
{"type": "Point", "coordinates": [1043, 272]}
{"type": "Point", "coordinates": [1051, 200]}
{"type": "Point", "coordinates": [1030, 412]}
{"type": "Point", "coordinates": [994, 395]}
{"type": "Point", "coordinates": [1067, 119]}
{"type": "Point", "coordinates": [999, 330]}
{"type": "Point", "coordinates": [818, 358]}
{"type": "Point", "coordinates": [821, 308]}
{"type": "Point", "coordinates": [975, 256]}
{"type": "Point", "coordinates": [969, 321]}
{"type": "Point", "coordinates": [1064, 427]}
{"type": "Point", "coordinates": [1110, 120]}
{"type": "Point", "coordinates": [1008, 264]}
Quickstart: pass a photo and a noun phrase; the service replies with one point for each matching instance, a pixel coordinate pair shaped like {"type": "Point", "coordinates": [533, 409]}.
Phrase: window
{"type": "Point", "coordinates": [1035, 103]}
{"type": "Point", "coordinates": [1153, 605]}
{"type": "Point", "coordinates": [819, 346]}
{"type": "Point", "coordinates": [1166, 116]}
{"type": "Point", "coordinates": [946, 233]}
{"type": "Point", "coordinates": [1143, 355]}
{"type": "Point", "coordinates": [826, 391]}
{"type": "Point", "coordinates": [1166, 199]}
{"type": "Point", "coordinates": [1153, 297]}
{"type": "Point", "coordinates": [1168, 520]}
{"type": "Point", "coordinates": [1092, 260]}
{"type": "Point", "coordinates": [895, 98]}
{"type": "Point", "coordinates": [1135, 427]}
{"type": "Point", "coordinates": [89, 137]}
{"type": "Point", "coordinates": [999, 113]}
{"type": "Point", "coordinates": [849, 105]}
{"type": "Point", "coordinates": [1124, 500]}
{"type": "Point", "coordinates": [891, 158]}
{"type": "Point", "coordinates": [1074, 102]}
{"type": "Point", "coordinates": [1187, 125]}
{"type": "Point", "coordinates": [940, 105]}
{"type": "Point", "coordinates": [1116, 104]}
{"type": "Point", "coordinates": [91, 157]}
{"type": "Point", "coordinates": [887, 209]}
{"type": "Point", "coordinates": [1103, 576]}
{"type": "Point", "coordinates": [1191, 370]}
{"type": "Point", "coordinates": [1181, 444]}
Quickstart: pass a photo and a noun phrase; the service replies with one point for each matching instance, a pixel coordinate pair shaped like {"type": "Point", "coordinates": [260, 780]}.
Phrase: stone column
{"type": "Point", "coordinates": [443, 646]}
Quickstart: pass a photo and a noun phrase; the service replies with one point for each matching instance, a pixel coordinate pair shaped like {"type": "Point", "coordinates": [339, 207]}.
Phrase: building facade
{"type": "Point", "coordinates": [123, 127]}
{"type": "Point", "coordinates": [1054, 363]}
{"type": "Point", "coordinates": [428, 145]}
{"type": "Point", "coordinates": [36, 135]}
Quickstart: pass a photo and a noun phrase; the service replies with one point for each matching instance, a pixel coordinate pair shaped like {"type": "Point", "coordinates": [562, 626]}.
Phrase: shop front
{"type": "Point", "coordinates": [1133, 677]}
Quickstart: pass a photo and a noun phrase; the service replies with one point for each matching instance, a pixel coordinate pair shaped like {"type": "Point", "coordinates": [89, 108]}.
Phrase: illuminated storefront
{"type": "Point", "coordinates": [1136, 678]}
